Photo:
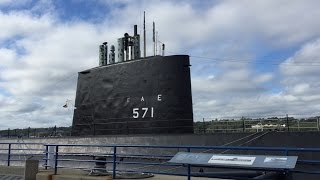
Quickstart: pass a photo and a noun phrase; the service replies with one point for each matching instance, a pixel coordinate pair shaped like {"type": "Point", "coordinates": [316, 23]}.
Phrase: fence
{"type": "Point", "coordinates": [211, 125]}
{"type": "Point", "coordinates": [36, 132]}
{"type": "Point", "coordinates": [207, 125]}
{"type": "Point", "coordinates": [16, 153]}
{"type": "Point", "coordinates": [145, 158]}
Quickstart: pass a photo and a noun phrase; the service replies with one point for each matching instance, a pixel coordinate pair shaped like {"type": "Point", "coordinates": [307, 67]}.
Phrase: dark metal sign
{"type": "Point", "coordinates": [233, 160]}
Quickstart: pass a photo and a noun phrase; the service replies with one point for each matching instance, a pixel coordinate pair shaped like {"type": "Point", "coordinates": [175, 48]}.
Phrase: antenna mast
{"type": "Point", "coordinates": [154, 38]}
{"type": "Point", "coordinates": [157, 42]}
{"type": "Point", "coordinates": [144, 33]}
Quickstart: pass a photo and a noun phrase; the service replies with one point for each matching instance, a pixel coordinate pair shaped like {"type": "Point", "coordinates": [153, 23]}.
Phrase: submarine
{"type": "Point", "coordinates": [134, 95]}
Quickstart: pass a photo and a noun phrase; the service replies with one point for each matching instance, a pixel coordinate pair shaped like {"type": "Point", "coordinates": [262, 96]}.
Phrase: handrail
{"type": "Point", "coordinates": [189, 173]}
{"type": "Point", "coordinates": [65, 153]}
{"type": "Point", "coordinates": [21, 143]}
{"type": "Point", "coordinates": [192, 147]}
{"type": "Point", "coordinates": [15, 150]}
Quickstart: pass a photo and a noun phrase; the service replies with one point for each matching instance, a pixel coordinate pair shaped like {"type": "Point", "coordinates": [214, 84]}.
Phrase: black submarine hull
{"type": "Point", "coordinates": [144, 96]}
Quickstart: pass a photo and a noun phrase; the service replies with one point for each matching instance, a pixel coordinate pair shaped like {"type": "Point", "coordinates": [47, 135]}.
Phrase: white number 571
{"type": "Point", "coordinates": [135, 112]}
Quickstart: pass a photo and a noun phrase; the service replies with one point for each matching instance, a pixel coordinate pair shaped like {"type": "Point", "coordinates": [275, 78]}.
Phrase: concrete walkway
{"type": "Point", "coordinates": [16, 173]}
{"type": "Point", "coordinates": [11, 173]}
{"type": "Point", "coordinates": [83, 175]}
{"type": "Point", "coordinates": [10, 177]}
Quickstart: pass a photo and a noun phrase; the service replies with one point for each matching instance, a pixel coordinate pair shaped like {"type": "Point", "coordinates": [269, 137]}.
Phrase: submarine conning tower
{"type": "Point", "coordinates": [128, 49]}
{"type": "Point", "coordinates": [134, 95]}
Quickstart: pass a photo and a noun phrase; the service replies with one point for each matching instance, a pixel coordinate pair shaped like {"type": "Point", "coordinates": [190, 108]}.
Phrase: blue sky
{"type": "Point", "coordinates": [81, 10]}
{"type": "Point", "coordinates": [249, 58]}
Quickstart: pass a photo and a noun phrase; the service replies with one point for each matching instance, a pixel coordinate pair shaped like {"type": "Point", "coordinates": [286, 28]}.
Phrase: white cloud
{"type": "Point", "coordinates": [13, 3]}
{"type": "Point", "coordinates": [263, 78]}
{"type": "Point", "coordinates": [7, 57]}
{"type": "Point", "coordinates": [304, 62]}
{"type": "Point", "coordinates": [300, 74]}
{"type": "Point", "coordinates": [299, 93]}
{"type": "Point", "coordinates": [20, 24]}
{"type": "Point", "coordinates": [301, 88]}
{"type": "Point", "coordinates": [38, 68]}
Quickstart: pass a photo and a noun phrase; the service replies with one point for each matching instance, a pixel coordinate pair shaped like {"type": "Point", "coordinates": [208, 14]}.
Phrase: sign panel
{"type": "Point", "coordinates": [236, 160]}
{"type": "Point", "coordinates": [278, 160]}
{"type": "Point", "coordinates": [239, 160]}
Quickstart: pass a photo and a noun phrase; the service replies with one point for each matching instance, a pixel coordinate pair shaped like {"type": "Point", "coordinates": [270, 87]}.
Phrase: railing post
{"type": "Point", "coordinates": [288, 129]}
{"type": "Point", "coordinates": [114, 162]}
{"type": "Point", "coordinates": [227, 126]}
{"type": "Point", "coordinates": [56, 160]}
{"type": "Point", "coordinates": [204, 126]}
{"type": "Point", "coordinates": [9, 154]}
{"type": "Point", "coordinates": [47, 156]}
{"type": "Point", "coordinates": [189, 166]}
{"type": "Point", "coordinates": [28, 132]}
{"type": "Point", "coordinates": [243, 125]}
{"type": "Point", "coordinates": [94, 129]}
{"type": "Point", "coordinates": [288, 175]}
{"type": "Point", "coordinates": [318, 123]}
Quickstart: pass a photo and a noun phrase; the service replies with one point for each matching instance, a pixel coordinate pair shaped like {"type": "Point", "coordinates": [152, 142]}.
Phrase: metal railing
{"type": "Point", "coordinates": [143, 158]}
{"type": "Point", "coordinates": [18, 152]}
{"type": "Point", "coordinates": [115, 154]}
